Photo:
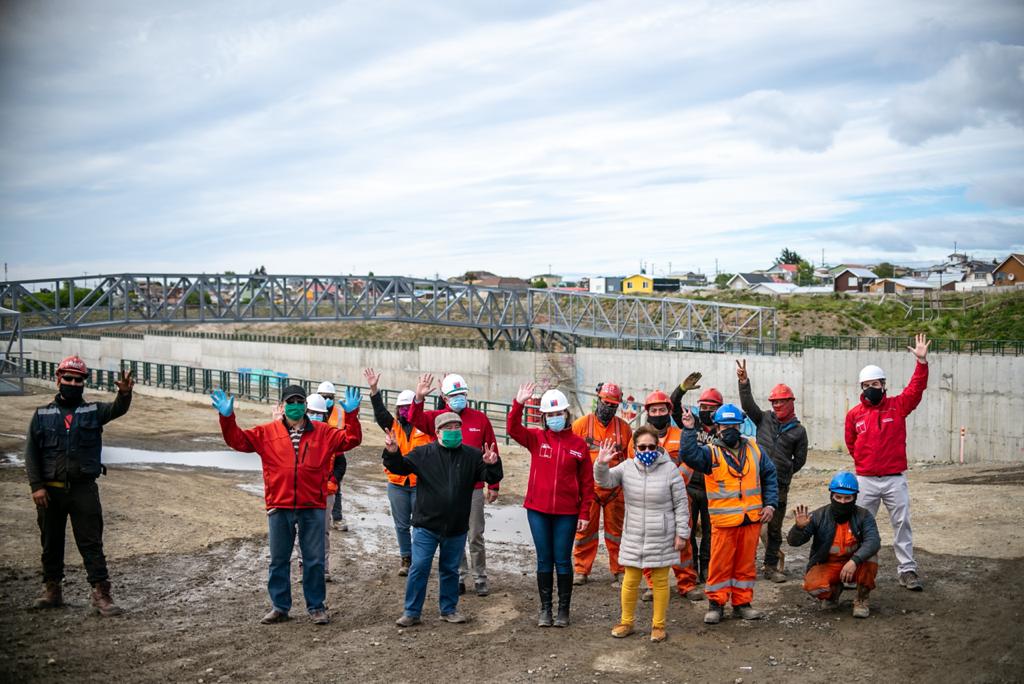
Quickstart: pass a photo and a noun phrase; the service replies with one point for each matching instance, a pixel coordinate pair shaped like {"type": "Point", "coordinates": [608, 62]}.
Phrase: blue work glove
{"type": "Point", "coordinates": [352, 397]}
{"type": "Point", "coordinates": [223, 403]}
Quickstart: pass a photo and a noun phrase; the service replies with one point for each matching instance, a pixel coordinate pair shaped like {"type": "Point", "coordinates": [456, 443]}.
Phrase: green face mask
{"type": "Point", "coordinates": [451, 439]}
{"type": "Point", "coordinates": [294, 411]}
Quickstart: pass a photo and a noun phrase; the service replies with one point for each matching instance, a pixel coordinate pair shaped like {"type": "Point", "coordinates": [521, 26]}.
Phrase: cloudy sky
{"type": "Point", "coordinates": [420, 137]}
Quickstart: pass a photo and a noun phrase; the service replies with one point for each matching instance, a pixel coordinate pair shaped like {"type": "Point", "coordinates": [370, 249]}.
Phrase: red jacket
{"type": "Point", "coordinates": [561, 476]}
{"type": "Point", "coordinates": [476, 428]}
{"type": "Point", "coordinates": [876, 436]}
{"type": "Point", "coordinates": [291, 481]}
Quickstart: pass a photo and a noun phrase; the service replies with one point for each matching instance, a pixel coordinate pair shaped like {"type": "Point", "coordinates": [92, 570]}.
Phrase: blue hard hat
{"type": "Point", "coordinates": [729, 414]}
{"type": "Point", "coordinates": [844, 483]}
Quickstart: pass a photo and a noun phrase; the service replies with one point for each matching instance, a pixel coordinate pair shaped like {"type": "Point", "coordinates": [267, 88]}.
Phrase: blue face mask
{"type": "Point", "coordinates": [555, 423]}
{"type": "Point", "coordinates": [316, 417]}
{"type": "Point", "coordinates": [457, 402]}
{"type": "Point", "coordinates": [647, 457]}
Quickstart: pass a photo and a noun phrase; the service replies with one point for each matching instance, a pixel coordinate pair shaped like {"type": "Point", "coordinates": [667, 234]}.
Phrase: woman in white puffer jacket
{"type": "Point", "coordinates": [657, 522]}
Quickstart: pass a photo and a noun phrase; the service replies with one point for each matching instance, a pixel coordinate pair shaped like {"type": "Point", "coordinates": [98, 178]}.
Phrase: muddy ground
{"type": "Point", "coordinates": [187, 551]}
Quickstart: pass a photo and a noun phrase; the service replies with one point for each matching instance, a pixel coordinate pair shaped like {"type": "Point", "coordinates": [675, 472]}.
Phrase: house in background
{"type": "Point", "coordinates": [1009, 272]}
{"type": "Point", "coordinates": [665, 285]}
{"type": "Point", "coordinates": [605, 284]}
{"type": "Point", "coordinates": [550, 279]}
{"type": "Point", "coordinates": [689, 279]}
{"type": "Point", "coordinates": [852, 279]}
{"type": "Point", "coordinates": [637, 284]}
{"type": "Point", "coordinates": [901, 286]}
{"type": "Point", "coordinates": [773, 289]}
{"type": "Point", "coordinates": [744, 281]}
{"type": "Point", "coordinates": [781, 272]}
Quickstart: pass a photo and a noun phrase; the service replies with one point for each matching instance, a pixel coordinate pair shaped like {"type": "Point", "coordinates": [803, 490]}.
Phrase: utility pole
{"type": "Point", "coordinates": [716, 268]}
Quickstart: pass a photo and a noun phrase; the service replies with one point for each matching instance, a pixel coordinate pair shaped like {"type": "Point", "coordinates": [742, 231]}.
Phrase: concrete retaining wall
{"type": "Point", "coordinates": [985, 394]}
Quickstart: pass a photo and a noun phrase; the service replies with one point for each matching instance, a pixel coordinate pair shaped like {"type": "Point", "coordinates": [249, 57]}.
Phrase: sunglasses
{"type": "Point", "coordinates": [646, 447]}
{"type": "Point", "coordinates": [295, 400]}
{"type": "Point", "coordinates": [72, 379]}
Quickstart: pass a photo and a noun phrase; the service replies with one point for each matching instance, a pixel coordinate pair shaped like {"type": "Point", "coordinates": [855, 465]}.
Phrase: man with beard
{"type": "Point", "coordinates": [844, 544]}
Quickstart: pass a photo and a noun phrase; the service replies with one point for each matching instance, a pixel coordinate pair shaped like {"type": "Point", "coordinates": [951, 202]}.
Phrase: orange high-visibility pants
{"type": "Point", "coordinates": [686, 575]}
{"type": "Point", "coordinates": [733, 568]}
{"type": "Point", "coordinates": [585, 550]}
{"type": "Point", "coordinates": [822, 580]}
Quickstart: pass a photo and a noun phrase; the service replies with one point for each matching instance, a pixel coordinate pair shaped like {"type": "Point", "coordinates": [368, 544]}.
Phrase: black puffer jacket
{"type": "Point", "coordinates": [785, 444]}
{"type": "Point", "coordinates": [822, 529]}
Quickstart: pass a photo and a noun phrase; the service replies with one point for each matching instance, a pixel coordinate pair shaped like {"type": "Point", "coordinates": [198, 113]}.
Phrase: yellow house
{"type": "Point", "coordinates": [637, 284]}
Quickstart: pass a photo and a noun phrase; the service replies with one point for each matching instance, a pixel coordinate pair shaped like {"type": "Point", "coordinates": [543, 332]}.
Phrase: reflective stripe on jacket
{"type": "Point", "coordinates": [734, 494]}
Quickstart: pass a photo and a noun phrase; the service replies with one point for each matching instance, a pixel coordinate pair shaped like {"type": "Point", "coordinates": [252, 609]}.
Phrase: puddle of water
{"type": "Point", "coordinates": [227, 460]}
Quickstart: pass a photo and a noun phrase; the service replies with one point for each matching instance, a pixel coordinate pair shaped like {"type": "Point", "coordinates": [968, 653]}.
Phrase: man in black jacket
{"type": "Point", "coordinates": [62, 459]}
{"type": "Point", "coordinates": [844, 545]}
{"type": "Point", "coordinates": [784, 439]}
{"type": "Point", "coordinates": [446, 473]}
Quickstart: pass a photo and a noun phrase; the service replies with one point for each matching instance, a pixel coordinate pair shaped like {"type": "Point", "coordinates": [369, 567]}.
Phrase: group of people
{"type": "Point", "coordinates": [686, 491]}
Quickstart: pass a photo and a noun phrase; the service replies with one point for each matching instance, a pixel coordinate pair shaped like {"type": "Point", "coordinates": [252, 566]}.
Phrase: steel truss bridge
{"type": "Point", "coordinates": [542, 319]}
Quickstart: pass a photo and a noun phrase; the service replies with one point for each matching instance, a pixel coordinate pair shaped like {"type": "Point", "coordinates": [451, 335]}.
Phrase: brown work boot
{"type": "Point", "coordinates": [403, 570]}
{"type": "Point", "coordinates": [102, 601]}
{"type": "Point", "coordinates": [51, 596]}
{"type": "Point", "coordinates": [860, 604]}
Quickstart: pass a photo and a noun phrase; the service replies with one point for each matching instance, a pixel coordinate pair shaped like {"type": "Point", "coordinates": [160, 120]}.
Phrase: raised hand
{"type": "Point", "coordinates": [801, 516]}
{"type": "Point", "coordinates": [607, 451]}
{"type": "Point", "coordinates": [390, 443]}
{"type": "Point", "coordinates": [278, 412]}
{"type": "Point", "coordinates": [352, 399]}
{"type": "Point", "coordinates": [688, 421]}
{"type": "Point", "coordinates": [691, 382]}
{"type": "Point", "coordinates": [741, 371]}
{"type": "Point", "coordinates": [372, 379]}
{"type": "Point", "coordinates": [920, 348]}
{"type": "Point", "coordinates": [125, 383]}
{"type": "Point", "coordinates": [490, 454]}
{"type": "Point", "coordinates": [525, 392]}
{"type": "Point", "coordinates": [425, 386]}
{"type": "Point", "coordinates": [767, 513]}
{"type": "Point", "coordinates": [224, 404]}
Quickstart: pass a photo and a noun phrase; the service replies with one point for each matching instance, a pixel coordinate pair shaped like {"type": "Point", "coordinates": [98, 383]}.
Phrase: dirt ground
{"type": "Point", "coordinates": [188, 558]}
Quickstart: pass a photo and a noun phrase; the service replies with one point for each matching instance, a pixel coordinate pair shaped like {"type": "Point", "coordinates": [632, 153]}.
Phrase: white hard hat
{"type": "Point", "coordinates": [868, 373]}
{"type": "Point", "coordinates": [454, 384]}
{"type": "Point", "coordinates": [553, 401]}
{"type": "Point", "coordinates": [326, 388]}
{"type": "Point", "coordinates": [405, 397]}
{"type": "Point", "coordinates": [314, 402]}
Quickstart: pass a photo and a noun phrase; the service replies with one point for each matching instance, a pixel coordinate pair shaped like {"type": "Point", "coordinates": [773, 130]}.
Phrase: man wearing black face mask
{"type": "Point", "coordinates": [844, 544]}
{"type": "Point", "coordinates": [876, 435]}
{"type": "Point", "coordinates": [62, 459]}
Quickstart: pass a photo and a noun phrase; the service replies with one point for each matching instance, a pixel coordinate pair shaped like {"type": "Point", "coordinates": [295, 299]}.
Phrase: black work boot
{"type": "Point", "coordinates": [564, 599]}
{"type": "Point", "coordinates": [545, 586]}
{"type": "Point", "coordinates": [102, 601]}
{"type": "Point", "coordinates": [52, 597]}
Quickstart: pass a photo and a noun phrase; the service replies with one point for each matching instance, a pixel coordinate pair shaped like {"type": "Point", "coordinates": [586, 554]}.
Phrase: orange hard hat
{"type": "Point", "coordinates": [74, 365]}
{"type": "Point", "coordinates": [657, 397]}
{"type": "Point", "coordinates": [781, 391]}
{"type": "Point", "coordinates": [711, 396]}
{"type": "Point", "coordinates": [611, 393]}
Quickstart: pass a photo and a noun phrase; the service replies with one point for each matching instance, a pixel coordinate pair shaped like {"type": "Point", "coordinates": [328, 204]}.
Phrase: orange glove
{"type": "Point", "coordinates": [332, 487]}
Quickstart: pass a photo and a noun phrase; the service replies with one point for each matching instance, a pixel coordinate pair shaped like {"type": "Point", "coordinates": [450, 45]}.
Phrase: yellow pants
{"type": "Point", "coordinates": [631, 590]}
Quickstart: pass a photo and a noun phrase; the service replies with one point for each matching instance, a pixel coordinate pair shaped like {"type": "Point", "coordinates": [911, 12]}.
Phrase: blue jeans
{"type": "Point", "coordinates": [553, 538]}
{"type": "Point", "coordinates": [402, 501]}
{"type": "Point", "coordinates": [283, 523]}
{"type": "Point", "coordinates": [424, 544]}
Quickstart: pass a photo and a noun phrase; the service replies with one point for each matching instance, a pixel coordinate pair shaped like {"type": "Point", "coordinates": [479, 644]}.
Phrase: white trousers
{"type": "Point", "coordinates": [895, 494]}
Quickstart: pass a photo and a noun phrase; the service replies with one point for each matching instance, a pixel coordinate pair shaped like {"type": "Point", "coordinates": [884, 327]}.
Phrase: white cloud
{"type": "Point", "coordinates": [779, 121]}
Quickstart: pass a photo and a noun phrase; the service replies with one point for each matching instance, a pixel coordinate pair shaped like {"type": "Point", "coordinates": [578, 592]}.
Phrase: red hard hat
{"type": "Point", "coordinates": [657, 397]}
{"type": "Point", "coordinates": [611, 393]}
{"type": "Point", "coordinates": [711, 396]}
{"type": "Point", "coordinates": [72, 364]}
{"type": "Point", "coordinates": [781, 391]}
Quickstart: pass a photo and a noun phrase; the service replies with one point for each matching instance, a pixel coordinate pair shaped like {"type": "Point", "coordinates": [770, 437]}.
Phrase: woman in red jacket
{"type": "Point", "coordinates": [561, 486]}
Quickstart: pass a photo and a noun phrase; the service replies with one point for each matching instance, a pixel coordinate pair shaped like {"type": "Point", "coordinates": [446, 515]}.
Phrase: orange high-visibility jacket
{"type": "Point", "coordinates": [405, 445]}
{"type": "Point", "coordinates": [734, 495]}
